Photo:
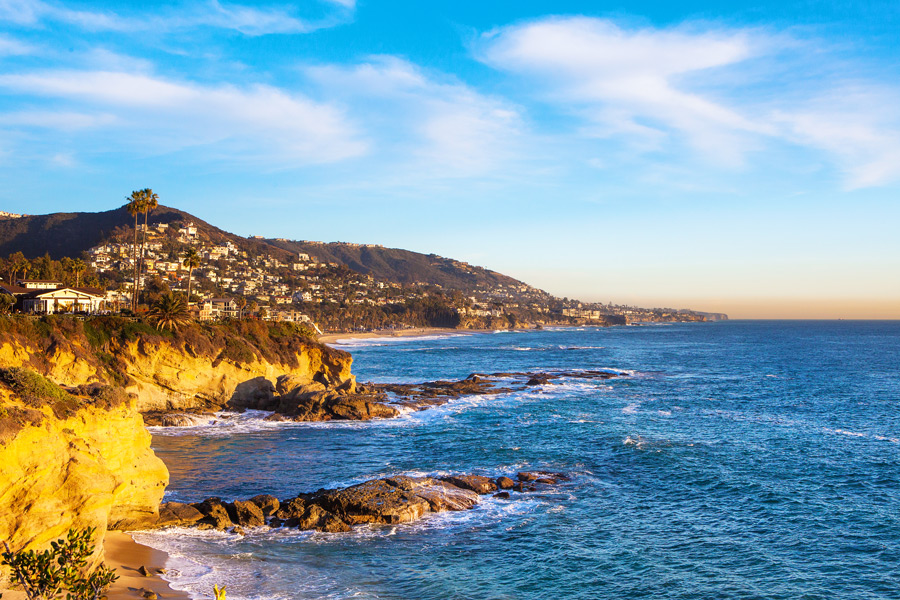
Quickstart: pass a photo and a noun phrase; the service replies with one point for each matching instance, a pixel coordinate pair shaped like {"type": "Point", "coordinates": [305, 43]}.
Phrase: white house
{"type": "Point", "coordinates": [64, 299]}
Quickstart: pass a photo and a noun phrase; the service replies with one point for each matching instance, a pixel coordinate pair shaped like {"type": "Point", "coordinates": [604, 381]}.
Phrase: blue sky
{"type": "Point", "coordinates": [742, 157]}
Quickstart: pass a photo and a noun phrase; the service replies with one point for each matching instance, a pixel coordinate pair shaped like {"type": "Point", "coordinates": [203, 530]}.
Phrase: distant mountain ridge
{"type": "Point", "coordinates": [70, 234]}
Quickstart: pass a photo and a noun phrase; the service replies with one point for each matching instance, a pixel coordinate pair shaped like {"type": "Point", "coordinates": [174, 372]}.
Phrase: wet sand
{"type": "Point", "coordinates": [127, 556]}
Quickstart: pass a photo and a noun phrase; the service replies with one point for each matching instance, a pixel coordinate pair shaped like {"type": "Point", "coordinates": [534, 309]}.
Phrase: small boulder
{"type": "Point", "coordinates": [316, 517]}
{"type": "Point", "coordinates": [527, 476]}
{"type": "Point", "coordinates": [505, 483]}
{"type": "Point", "coordinates": [502, 495]}
{"type": "Point", "coordinates": [144, 571]}
{"type": "Point", "coordinates": [267, 503]}
{"type": "Point", "coordinates": [245, 513]}
{"type": "Point", "coordinates": [214, 513]}
{"type": "Point", "coordinates": [291, 509]}
{"type": "Point", "coordinates": [172, 514]}
{"type": "Point", "coordinates": [258, 393]}
{"type": "Point", "coordinates": [538, 381]}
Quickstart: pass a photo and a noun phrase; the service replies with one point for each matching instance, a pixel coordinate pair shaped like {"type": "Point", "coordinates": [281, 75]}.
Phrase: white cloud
{"type": "Point", "coordinates": [256, 123]}
{"type": "Point", "coordinates": [249, 20]}
{"type": "Point", "coordinates": [11, 47]}
{"type": "Point", "coordinates": [629, 82]}
{"type": "Point", "coordinates": [653, 88]}
{"type": "Point", "coordinates": [446, 124]}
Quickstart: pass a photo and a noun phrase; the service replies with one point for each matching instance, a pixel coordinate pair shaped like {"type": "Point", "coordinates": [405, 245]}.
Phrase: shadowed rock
{"type": "Point", "coordinates": [178, 514]}
{"type": "Point", "coordinates": [476, 483]}
{"type": "Point", "coordinates": [267, 503]}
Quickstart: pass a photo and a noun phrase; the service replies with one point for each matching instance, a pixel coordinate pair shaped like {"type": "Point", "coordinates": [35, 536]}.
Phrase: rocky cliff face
{"type": "Point", "coordinates": [198, 368]}
{"type": "Point", "coordinates": [68, 464]}
{"type": "Point", "coordinates": [73, 448]}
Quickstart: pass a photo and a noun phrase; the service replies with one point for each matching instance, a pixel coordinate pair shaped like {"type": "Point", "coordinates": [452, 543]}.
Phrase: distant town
{"type": "Point", "coordinates": [227, 279]}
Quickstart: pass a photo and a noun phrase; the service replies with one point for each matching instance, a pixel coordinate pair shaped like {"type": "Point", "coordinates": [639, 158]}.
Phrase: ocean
{"type": "Point", "coordinates": [736, 460]}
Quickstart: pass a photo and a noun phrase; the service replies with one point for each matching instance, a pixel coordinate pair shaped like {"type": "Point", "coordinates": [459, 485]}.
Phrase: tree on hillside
{"type": "Point", "coordinates": [78, 267]}
{"type": "Point", "coordinates": [151, 201]}
{"type": "Point", "coordinates": [169, 312]}
{"type": "Point", "coordinates": [6, 303]}
{"type": "Point", "coordinates": [241, 304]}
{"type": "Point", "coordinates": [135, 207]}
{"type": "Point", "coordinates": [191, 261]}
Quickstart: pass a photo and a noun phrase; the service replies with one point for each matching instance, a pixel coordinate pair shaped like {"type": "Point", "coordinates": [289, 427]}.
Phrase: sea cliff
{"type": "Point", "coordinates": [74, 451]}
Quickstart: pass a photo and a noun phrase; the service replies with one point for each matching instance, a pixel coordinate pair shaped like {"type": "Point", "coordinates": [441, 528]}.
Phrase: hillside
{"type": "Point", "coordinates": [402, 266]}
{"type": "Point", "coordinates": [70, 234]}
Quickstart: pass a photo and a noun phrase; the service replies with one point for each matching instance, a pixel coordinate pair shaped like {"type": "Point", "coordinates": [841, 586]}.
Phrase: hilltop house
{"type": "Point", "coordinates": [49, 297]}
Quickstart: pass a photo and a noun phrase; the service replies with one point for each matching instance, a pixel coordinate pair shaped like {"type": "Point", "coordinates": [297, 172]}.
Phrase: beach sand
{"type": "Point", "coordinates": [127, 556]}
{"type": "Point", "coordinates": [330, 338]}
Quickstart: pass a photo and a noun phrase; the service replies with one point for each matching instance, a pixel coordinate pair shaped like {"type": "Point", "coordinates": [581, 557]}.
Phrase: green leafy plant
{"type": "Point", "coordinates": [63, 567]}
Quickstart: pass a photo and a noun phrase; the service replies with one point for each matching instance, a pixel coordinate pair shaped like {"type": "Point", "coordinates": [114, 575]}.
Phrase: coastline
{"type": "Point", "coordinates": [126, 556]}
{"type": "Point", "coordinates": [331, 338]}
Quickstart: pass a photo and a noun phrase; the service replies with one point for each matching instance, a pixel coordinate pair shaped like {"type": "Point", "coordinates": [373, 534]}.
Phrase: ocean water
{"type": "Point", "coordinates": [737, 460]}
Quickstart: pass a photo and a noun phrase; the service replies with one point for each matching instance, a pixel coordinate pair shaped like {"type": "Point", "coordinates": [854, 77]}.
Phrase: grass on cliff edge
{"type": "Point", "coordinates": [36, 391]}
{"type": "Point", "coordinates": [97, 339]}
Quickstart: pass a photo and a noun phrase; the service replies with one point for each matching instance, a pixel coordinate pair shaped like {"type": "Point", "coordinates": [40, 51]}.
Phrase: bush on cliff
{"type": "Point", "coordinates": [97, 340]}
{"type": "Point", "coordinates": [62, 567]}
{"type": "Point", "coordinates": [37, 391]}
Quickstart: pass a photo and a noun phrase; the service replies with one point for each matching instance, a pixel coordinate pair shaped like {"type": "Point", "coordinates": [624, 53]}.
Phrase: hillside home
{"type": "Point", "coordinates": [63, 299]}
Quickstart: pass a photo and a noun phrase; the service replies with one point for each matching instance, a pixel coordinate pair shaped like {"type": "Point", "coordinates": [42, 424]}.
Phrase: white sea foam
{"type": "Point", "coordinates": [390, 340]}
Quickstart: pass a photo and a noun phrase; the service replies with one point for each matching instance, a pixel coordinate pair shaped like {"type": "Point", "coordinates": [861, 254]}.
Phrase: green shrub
{"type": "Point", "coordinates": [32, 386]}
{"type": "Point", "coordinates": [63, 567]}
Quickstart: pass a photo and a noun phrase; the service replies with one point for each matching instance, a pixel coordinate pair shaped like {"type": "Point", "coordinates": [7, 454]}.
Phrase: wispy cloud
{"type": "Point", "coordinates": [656, 88]}
{"type": "Point", "coordinates": [249, 20]}
{"type": "Point", "coordinates": [445, 123]}
{"type": "Point", "coordinates": [231, 123]}
{"type": "Point", "coordinates": [12, 47]}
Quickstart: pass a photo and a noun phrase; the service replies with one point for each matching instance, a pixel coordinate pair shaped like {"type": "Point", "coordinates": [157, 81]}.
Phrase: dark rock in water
{"type": "Point", "coordinates": [519, 487]}
{"type": "Point", "coordinates": [214, 513]}
{"type": "Point", "coordinates": [177, 514]}
{"type": "Point", "coordinates": [291, 509]}
{"type": "Point", "coordinates": [527, 476]}
{"type": "Point", "coordinates": [505, 483]}
{"type": "Point", "coordinates": [538, 381]}
{"type": "Point", "coordinates": [258, 393]}
{"type": "Point", "coordinates": [502, 495]}
{"type": "Point", "coordinates": [245, 513]}
{"type": "Point", "coordinates": [374, 501]}
{"type": "Point", "coordinates": [442, 496]}
{"type": "Point", "coordinates": [476, 483]}
{"type": "Point", "coordinates": [545, 481]}
{"type": "Point", "coordinates": [316, 517]}
{"type": "Point", "coordinates": [332, 406]}
{"type": "Point", "coordinates": [267, 503]}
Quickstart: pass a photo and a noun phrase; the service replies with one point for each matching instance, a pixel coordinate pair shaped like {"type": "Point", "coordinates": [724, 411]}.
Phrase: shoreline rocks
{"type": "Point", "coordinates": [386, 501]}
{"type": "Point", "coordinates": [294, 398]}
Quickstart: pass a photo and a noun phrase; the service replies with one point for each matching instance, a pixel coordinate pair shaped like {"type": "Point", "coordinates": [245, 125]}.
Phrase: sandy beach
{"type": "Point", "coordinates": [127, 556]}
{"type": "Point", "coordinates": [331, 338]}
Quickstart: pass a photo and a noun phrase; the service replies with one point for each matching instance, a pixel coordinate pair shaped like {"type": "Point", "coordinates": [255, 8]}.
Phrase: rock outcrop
{"type": "Point", "coordinates": [388, 501]}
{"type": "Point", "coordinates": [73, 462]}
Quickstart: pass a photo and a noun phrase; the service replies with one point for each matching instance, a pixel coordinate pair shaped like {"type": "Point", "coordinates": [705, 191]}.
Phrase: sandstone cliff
{"type": "Point", "coordinates": [70, 461]}
{"type": "Point", "coordinates": [200, 366]}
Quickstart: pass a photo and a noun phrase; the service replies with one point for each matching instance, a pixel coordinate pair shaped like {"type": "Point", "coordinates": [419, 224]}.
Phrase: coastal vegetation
{"type": "Point", "coordinates": [64, 567]}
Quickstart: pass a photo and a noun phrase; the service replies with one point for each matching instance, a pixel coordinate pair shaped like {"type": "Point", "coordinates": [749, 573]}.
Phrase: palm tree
{"type": "Point", "coordinates": [169, 312]}
{"type": "Point", "coordinates": [241, 303]}
{"type": "Point", "coordinates": [135, 207]}
{"type": "Point", "coordinates": [191, 261]}
{"type": "Point", "coordinates": [78, 267]}
{"type": "Point", "coordinates": [151, 201]}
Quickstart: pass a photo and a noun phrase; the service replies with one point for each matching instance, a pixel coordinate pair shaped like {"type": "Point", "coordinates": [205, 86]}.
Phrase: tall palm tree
{"type": "Point", "coordinates": [135, 207]}
{"type": "Point", "coordinates": [78, 267]}
{"type": "Point", "coordinates": [191, 261]}
{"type": "Point", "coordinates": [151, 201]}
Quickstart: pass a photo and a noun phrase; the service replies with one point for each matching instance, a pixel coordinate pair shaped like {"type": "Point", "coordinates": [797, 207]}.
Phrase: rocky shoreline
{"type": "Point", "coordinates": [386, 501]}
{"type": "Point", "coordinates": [296, 399]}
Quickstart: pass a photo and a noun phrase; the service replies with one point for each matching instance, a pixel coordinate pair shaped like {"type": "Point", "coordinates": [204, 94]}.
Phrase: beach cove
{"type": "Point", "coordinates": [695, 474]}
